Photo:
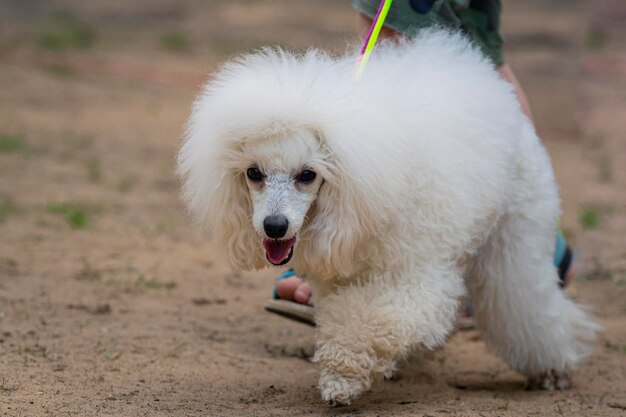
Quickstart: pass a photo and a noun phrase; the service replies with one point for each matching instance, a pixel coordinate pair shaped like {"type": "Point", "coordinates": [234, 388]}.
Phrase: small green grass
{"type": "Point", "coordinates": [596, 39]}
{"type": "Point", "coordinates": [111, 355]}
{"type": "Point", "coordinates": [111, 282]}
{"type": "Point", "coordinates": [153, 284]}
{"type": "Point", "coordinates": [559, 410]}
{"type": "Point", "coordinates": [7, 208]}
{"type": "Point", "coordinates": [590, 219]}
{"type": "Point", "coordinates": [174, 42]}
{"type": "Point", "coordinates": [87, 272]}
{"type": "Point", "coordinates": [34, 351]}
{"type": "Point", "coordinates": [6, 389]}
{"type": "Point", "coordinates": [12, 143]}
{"type": "Point", "coordinates": [127, 184]}
{"type": "Point", "coordinates": [76, 215]}
{"type": "Point", "coordinates": [94, 170]}
{"type": "Point", "coordinates": [505, 406]}
{"type": "Point", "coordinates": [66, 32]}
{"type": "Point", "coordinates": [57, 69]}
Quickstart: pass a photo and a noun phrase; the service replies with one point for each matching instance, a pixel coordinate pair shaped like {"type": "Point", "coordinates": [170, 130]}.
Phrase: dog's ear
{"type": "Point", "coordinates": [218, 199]}
{"type": "Point", "coordinates": [352, 206]}
{"type": "Point", "coordinates": [230, 211]}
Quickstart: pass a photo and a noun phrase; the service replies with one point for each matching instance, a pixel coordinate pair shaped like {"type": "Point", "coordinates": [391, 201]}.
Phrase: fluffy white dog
{"type": "Point", "coordinates": [382, 193]}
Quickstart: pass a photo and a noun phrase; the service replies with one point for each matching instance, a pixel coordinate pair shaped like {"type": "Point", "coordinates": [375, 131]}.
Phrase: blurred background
{"type": "Point", "coordinates": [112, 303]}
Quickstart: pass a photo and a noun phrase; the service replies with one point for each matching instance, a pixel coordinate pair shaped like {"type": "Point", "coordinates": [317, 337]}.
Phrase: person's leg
{"type": "Point", "coordinates": [507, 73]}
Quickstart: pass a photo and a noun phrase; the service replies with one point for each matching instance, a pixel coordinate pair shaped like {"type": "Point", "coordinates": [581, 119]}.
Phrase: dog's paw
{"type": "Point", "coordinates": [550, 381]}
{"type": "Point", "coordinates": [337, 390]}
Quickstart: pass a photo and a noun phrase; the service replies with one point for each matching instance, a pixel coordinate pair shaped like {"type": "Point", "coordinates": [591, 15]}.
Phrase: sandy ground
{"type": "Point", "coordinates": [112, 304]}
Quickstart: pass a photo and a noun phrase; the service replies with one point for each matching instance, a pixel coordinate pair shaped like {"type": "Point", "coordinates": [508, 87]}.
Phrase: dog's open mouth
{"type": "Point", "coordinates": [279, 251]}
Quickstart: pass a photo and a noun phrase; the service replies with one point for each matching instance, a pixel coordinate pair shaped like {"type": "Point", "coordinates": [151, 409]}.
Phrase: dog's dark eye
{"type": "Point", "coordinates": [254, 174]}
{"type": "Point", "coordinates": [307, 176]}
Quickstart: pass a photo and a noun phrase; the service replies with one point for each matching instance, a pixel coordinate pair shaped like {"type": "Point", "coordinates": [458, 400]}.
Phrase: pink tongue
{"type": "Point", "coordinates": [278, 250]}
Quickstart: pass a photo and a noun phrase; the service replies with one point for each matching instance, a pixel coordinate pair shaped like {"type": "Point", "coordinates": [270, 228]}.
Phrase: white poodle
{"type": "Point", "coordinates": [384, 193]}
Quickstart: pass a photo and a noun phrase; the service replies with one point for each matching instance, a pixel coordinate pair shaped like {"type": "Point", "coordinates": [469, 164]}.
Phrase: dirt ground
{"type": "Point", "coordinates": [113, 304]}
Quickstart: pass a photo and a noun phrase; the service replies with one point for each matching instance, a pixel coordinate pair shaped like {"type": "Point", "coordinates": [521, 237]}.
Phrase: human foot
{"type": "Point", "coordinates": [292, 299]}
{"type": "Point", "coordinates": [294, 288]}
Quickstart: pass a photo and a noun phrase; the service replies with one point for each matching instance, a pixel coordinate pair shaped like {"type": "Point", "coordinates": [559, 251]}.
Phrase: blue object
{"type": "Point", "coordinates": [560, 249]}
{"type": "Point", "coordinates": [422, 6]}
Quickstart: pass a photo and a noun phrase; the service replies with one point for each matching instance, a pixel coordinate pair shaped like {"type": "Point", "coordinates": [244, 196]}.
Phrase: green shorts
{"type": "Point", "coordinates": [479, 19]}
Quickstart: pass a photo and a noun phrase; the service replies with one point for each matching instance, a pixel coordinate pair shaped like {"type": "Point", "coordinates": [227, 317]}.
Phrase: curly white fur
{"type": "Point", "coordinates": [429, 169]}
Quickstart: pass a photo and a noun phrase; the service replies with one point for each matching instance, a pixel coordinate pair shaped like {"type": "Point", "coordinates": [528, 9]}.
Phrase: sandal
{"type": "Point", "coordinates": [563, 259]}
{"type": "Point", "coordinates": [302, 313]}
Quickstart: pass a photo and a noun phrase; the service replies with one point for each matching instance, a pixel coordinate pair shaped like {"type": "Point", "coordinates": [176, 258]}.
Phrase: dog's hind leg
{"type": "Point", "coordinates": [364, 329]}
{"type": "Point", "coordinates": [524, 315]}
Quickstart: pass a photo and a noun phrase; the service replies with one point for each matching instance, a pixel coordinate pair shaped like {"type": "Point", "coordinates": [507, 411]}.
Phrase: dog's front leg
{"type": "Point", "coordinates": [364, 329]}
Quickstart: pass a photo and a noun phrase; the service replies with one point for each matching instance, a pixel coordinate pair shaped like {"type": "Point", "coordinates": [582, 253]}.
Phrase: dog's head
{"type": "Point", "coordinates": [283, 176]}
{"type": "Point", "coordinates": [269, 164]}
{"type": "Point", "coordinates": [273, 197]}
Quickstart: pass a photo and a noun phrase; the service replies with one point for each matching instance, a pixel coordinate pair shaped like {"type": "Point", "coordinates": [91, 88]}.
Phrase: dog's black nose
{"type": "Point", "coordinates": [276, 226]}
